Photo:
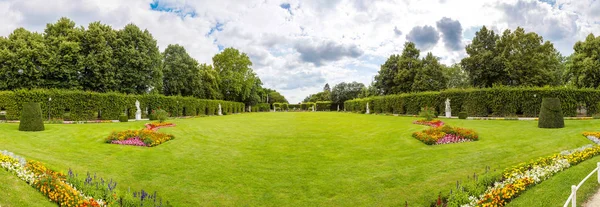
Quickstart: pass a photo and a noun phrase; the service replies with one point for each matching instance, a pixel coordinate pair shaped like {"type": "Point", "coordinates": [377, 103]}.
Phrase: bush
{"type": "Point", "coordinates": [123, 118]}
{"type": "Point", "coordinates": [323, 105]}
{"type": "Point", "coordinates": [596, 116]}
{"type": "Point", "coordinates": [82, 105]}
{"type": "Point", "coordinates": [462, 115]}
{"type": "Point", "coordinates": [427, 113]}
{"type": "Point", "coordinates": [498, 101]}
{"type": "Point", "coordinates": [160, 115]}
{"type": "Point", "coordinates": [2, 117]}
{"type": "Point", "coordinates": [31, 118]}
{"type": "Point", "coordinates": [551, 115]}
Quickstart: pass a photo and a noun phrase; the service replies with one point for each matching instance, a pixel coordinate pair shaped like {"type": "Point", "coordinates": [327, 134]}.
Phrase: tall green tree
{"type": "Point", "coordinates": [63, 42]}
{"type": "Point", "coordinates": [138, 61]}
{"type": "Point", "coordinates": [23, 60]}
{"type": "Point", "coordinates": [397, 74]}
{"type": "Point", "coordinates": [98, 59]}
{"type": "Point", "coordinates": [430, 76]}
{"type": "Point", "coordinates": [527, 59]}
{"type": "Point", "coordinates": [584, 65]}
{"type": "Point", "coordinates": [385, 79]}
{"type": "Point", "coordinates": [346, 91]}
{"type": "Point", "coordinates": [209, 79]}
{"type": "Point", "coordinates": [181, 73]}
{"type": "Point", "coordinates": [408, 66]}
{"type": "Point", "coordinates": [237, 78]}
{"type": "Point", "coordinates": [482, 65]}
{"type": "Point", "coordinates": [456, 76]}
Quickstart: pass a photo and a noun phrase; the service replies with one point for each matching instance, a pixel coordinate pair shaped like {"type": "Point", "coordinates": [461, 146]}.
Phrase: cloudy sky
{"type": "Point", "coordinates": [298, 46]}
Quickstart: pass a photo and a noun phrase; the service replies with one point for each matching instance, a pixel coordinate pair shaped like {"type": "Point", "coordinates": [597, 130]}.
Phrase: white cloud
{"type": "Point", "coordinates": [298, 50]}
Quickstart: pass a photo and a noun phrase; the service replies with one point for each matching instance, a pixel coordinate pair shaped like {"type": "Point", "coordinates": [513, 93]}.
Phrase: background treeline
{"type": "Point", "coordinates": [497, 101]}
{"type": "Point", "coordinates": [101, 59]}
{"type": "Point", "coordinates": [79, 105]}
{"type": "Point", "coordinates": [513, 58]}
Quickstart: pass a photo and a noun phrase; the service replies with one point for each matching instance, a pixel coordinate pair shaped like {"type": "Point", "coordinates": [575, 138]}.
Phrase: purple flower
{"type": "Point", "coordinates": [136, 141]}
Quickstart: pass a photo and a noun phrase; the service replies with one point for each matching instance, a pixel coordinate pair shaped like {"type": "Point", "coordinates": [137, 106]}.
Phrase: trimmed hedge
{"type": "Point", "coordinates": [261, 107]}
{"type": "Point", "coordinates": [551, 114]}
{"type": "Point", "coordinates": [294, 107]}
{"type": "Point", "coordinates": [31, 117]}
{"type": "Point", "coordinates": [307, 106]}
{"type": "Point", "coordinates": [500, 101]}
{"type": "Point", "coordinates": [123, 118]}
{"type": "Point", "coordinates": [323, 105]}
{"type": "Point", "coordinates": [462, 115]}
{"type": "Point", "coordinates": [82, 105]}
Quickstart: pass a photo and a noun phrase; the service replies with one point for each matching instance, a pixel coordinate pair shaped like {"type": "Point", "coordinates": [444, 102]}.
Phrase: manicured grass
{"type": "Point", "coordinates": [15, 192]}
{"type": "Point", "coordinates": [293, 159]}
{"type": "Point", "coordinates": [556, 190]}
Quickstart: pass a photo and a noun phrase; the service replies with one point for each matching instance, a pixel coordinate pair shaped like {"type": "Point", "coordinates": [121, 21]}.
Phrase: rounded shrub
{"type": "Point", "coordinates": [31, 117]}
{"type": "Point", "coordinates": [462, 115]}
{"type": "Point", "coordinates": [160, 115]}
{"type": "Point", "coordinates": [551, 115]}
{"type": "Point", "coordinates": [123, 118]}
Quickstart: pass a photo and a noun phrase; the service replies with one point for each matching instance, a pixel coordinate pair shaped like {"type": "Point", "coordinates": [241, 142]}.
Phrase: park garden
{"type": "Point", "coordinates": [100, 117]}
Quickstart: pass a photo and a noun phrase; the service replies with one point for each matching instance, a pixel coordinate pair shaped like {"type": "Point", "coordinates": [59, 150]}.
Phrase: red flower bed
{"type": "Point", "coordinates": [157, 125]}
{"type": "Point", "coordinates": [432, 123]}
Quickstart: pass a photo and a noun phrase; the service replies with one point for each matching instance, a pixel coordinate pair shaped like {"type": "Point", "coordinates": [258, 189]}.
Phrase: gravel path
{"type": "Point", "coordinates": [594, 201]}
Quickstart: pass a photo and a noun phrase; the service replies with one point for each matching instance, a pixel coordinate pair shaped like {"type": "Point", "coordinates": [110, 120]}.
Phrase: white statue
{"type": "Point", "coordinates": [313, 107]}
{"type": "Point", "coordinates": [338, 107]}
{"type": "Point", "coordinates": [220, 111]}
{"type": "Point", "coordinates": [448, 109]}
{"type": "Point", "coordinates": [138, 112]}
{"type": "Point", "coordinates": [249, 108]}
{"type": "Point", "coordinates": [367, 108]}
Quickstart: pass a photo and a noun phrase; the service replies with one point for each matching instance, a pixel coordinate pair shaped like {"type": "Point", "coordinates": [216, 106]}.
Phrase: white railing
{"type": "Point", "coordinates": [574, 188]}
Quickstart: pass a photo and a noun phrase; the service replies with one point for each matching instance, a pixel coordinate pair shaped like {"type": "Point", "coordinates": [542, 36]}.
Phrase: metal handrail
{"type": "Point", "coordinates": [574, 188]}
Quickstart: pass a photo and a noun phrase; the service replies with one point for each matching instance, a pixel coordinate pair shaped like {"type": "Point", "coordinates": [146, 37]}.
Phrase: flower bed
{"type": "Point", "coordinates": [517, 179]}
{"type": "Point", "coordinates": [48, 182]}
{"type": "Point", "coordinates": [432, 123]}
{"type": "Point", "coordinates": [594, 136]}
{"type": "Point", "coordinates": [144, 137]}
{"type": "Point", "coordinates": [446, 135]}
{"type": "Point", "coordinates": [70, 190]}
{"type": "Point", "coordinates": [157, 125]}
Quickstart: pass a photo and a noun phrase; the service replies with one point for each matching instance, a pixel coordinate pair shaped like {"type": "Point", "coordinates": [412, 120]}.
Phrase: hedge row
{"type": "Point", "coordinates": [261, 107]}
{"type": "Point", "coordinates": [81, 105]}
{"type": "Point", "coordinates": [501, 101]}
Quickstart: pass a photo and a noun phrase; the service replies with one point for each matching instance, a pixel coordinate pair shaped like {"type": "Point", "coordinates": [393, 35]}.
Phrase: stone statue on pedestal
{"type": "Point", "coordinates": [138, 112]}
{"type": "Point", "coordinates": [448, 109]}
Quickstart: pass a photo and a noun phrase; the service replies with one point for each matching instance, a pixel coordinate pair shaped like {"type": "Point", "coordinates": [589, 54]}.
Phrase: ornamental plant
{"type": "Point", "coordinates": [428, 113]}
{"type": "Point", "coordinates": [160, 115]}
{"type": "Point", "coordinates": [551, 115]}
{"type": "Point", "coordinates": [123, 118]}
{"type": "Point", "coordinates": [31, 118]}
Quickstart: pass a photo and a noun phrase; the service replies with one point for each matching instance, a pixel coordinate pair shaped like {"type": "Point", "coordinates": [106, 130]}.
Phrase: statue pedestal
{"type": "Point", "coordinates": [448, 114]}
{"type": "Point", "coordinates": [138, 115]}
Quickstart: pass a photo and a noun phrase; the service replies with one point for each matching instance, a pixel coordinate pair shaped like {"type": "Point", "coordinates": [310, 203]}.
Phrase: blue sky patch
{"type": "Point", "coordinates": [217, 27]}
{"type": "Point", "coordinates": [181, 10]}
{"type": "Point", "coordinates": [287, 7]}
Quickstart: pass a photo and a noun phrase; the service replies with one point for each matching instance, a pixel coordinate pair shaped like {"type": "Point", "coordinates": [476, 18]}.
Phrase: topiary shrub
{"type": "Point", "coordinates": [551, 115]}
{"type": "Point", "coordinates": [123, 118]}
{"type": "Point", "coordinates": [462, 115]}
{"type": "Point", "coordinates": [31, 117]}
{"type": "Point", "coordinates": [160, 115]}
{"type": "Point", "coordinates": [428, 113]}
{"type": "Point", "coordinates": [2, 117]}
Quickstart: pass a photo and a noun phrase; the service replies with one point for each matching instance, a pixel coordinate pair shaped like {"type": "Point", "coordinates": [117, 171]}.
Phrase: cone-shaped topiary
{"type": "Point", "coordinates": [31, 118]}
{"type": "Point", "coordinates": [551, 115]}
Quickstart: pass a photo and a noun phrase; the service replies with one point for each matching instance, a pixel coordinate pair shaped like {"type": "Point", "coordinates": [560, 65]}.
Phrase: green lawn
{"type": "Point", "coordinates": [16, 192]}
{"type": "Point", "coordinates": [293, 159]}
